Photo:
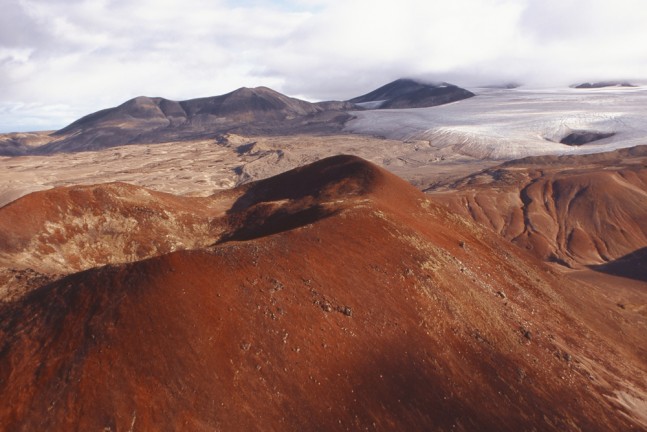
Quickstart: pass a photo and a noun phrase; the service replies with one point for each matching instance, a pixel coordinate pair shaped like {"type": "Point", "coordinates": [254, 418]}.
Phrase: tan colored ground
{"type": "Point", "coordinates": [203, 167]}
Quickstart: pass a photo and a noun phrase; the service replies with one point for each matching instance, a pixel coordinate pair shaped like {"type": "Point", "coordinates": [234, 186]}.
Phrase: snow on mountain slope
{"type": "Point", "coordinates": [512, 123]}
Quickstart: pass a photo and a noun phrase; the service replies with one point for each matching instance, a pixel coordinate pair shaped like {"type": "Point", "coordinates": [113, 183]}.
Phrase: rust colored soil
{"type": "Point", "coordinates": [573, 210]}
{"type": "Point", "coordinates": [336, 297]}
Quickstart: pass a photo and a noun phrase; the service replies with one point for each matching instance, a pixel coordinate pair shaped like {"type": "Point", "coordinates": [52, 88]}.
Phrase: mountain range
{"type": "Point", "coordinates": [408, 93]}
{"type": "Point", "coordinates": [250, 111]}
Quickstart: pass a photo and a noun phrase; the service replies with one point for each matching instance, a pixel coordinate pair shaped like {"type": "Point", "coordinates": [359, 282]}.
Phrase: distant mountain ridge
{"type": "Point", "coordinates": [409, 93]}
{"type": "Point", "coordinates": [148, 120]}
{"type": "Point", "coordinates": [248, 111]}
{"type": "Point", "coordinates": [241, 104]}
{"type": "Point", "coordinates": [602, 84]}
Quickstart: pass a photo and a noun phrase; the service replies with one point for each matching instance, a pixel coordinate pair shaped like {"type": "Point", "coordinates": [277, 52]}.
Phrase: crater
{"type": "Point", "coordinates": [578, 138]}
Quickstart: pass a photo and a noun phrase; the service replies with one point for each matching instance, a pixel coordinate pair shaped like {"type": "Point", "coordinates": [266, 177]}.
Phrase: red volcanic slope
{"type": "Point", "coordinates": [339, 298]}
{"type": "Point", "coordinates": [70, 229]}
{"type": "Point", "coordinates": [576, 210]}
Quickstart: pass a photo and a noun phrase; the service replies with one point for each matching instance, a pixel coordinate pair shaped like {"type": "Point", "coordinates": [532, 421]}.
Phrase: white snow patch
{"type": "Point", "coordinates": [504, 123]}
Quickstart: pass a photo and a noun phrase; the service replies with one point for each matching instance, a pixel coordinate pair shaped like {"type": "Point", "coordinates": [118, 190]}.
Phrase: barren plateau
{"type": "Point", "coordinates": [202, 167]}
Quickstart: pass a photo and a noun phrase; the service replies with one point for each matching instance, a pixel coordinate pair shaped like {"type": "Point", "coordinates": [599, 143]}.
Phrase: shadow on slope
{"type": "Point", "coordinates": [299, 197]}
{"type": "Point", "coordinates": [633, 266]}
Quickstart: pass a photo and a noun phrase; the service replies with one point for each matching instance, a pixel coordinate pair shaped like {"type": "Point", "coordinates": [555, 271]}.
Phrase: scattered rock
{"type": "Point", "coordinates": [521, 375]}
{"type": "Point", "coordinates": [562, 355]}
{"type": "Point", "coordinates": [478, 337]}
{"type": "Point", "coordinates": [526, 333]}
{"type": "Point", "coordinates": [501, 294]}
{"type": "Point", "coordinates": [346, 310]}
{"type": "Point", "coordinates": [276, 285]}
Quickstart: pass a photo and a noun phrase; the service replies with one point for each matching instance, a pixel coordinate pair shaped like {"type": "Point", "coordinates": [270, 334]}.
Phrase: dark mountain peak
{"type": "Point", "coordinates": [260, 91]}
{"type": "Point", "coordinates": [390, 90]}
{"type": "Point", "coordinates": [250, 104]}
{"type": "Point", "coordinates": [279, 100]}
{"type": "Point", "coordinates": [410, 93]}
{"type": "Point", "coordinates": [252, 91]}
{"type": "Point", "coordinates": [140, 108]}
{"type": "Point", "coordinates": [145, 100]}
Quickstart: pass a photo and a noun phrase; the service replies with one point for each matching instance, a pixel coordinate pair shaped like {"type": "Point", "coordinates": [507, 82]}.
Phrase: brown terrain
{"type": "Point", "coordinates": [153, 120]}
{"type": "Point", "coordinates": [205, 166]}
{"type": "Point", "coordinates": [587, 210]}
{"type": "Point", "coordinates": [335, 296]}
{"type": "Point", "coordinates": [146, 120]}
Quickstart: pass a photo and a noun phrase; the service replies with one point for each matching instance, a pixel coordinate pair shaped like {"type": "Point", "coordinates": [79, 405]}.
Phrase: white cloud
{"type": "Point", "coordinates": [365, 41]}
{"type": "Point", "coordinates": [89, 54]}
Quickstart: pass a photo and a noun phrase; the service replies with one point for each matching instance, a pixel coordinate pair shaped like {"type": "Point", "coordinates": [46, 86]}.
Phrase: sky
{"type": "Point", "coordinates": [62, 59]}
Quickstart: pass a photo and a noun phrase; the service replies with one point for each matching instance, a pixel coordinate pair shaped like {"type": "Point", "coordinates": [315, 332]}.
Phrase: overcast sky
{"type": "Point", "coordinates": [61, 59]}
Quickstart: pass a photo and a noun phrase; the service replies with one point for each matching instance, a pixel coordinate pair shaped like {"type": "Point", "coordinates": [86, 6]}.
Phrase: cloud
{"type": "Point", "coordinates": [592, 40]}
{"type": "Point", "coordinates": [96, 53]}
{"type": "Point", "coordinates": [364, 42]}
{"type": "Point", "coordinates": [60, 59]}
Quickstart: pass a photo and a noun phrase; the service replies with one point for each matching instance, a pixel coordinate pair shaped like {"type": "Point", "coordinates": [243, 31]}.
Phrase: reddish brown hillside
{"type": "Point", "coordinates": [575, 210]}
{"type": "Point", "coordinates": [353, 303]}
{"type": "Point", "coordinates": [68, 229]}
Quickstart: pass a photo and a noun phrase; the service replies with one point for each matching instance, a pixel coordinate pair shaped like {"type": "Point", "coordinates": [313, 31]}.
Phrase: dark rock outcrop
{"type": "Point", "coordinates": [578, 138]}
{"type": "Point", "coordinates": [602, 84]}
